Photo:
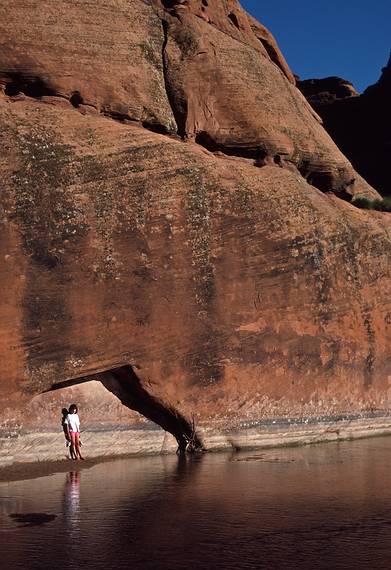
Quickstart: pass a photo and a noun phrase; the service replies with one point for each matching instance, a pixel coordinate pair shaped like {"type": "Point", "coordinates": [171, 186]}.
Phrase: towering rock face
{"type": "Point", "coordinates": [208, 72]}
{"type": "Point", "coordinates": [171, 222]}
{"type": "Point", "coordinates": [359, 125]}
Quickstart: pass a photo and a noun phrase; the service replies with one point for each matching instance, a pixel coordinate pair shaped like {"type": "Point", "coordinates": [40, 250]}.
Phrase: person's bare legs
{"type": "Point", "coordinates": [74, 439]}
{"type": "Point", "coordinates": [71, 447]}
{"type": "Point", "coordinates": [76, 443]}
{"type": "Point", "coordinates": [72, 451]}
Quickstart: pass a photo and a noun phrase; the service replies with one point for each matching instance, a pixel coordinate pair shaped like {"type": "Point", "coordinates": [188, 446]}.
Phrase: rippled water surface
{"type": "Point", "coordinates": [318, 507]}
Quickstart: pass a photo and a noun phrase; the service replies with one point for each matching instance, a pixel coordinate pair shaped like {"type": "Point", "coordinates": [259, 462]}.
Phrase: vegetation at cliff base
{"type": "Point", "coordinates": [383, 205]}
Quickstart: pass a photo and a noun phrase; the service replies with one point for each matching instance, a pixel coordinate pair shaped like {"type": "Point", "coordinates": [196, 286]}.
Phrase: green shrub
{"type": "Point", "coordinates": [383, 205]}
{"type": "Point", "coordinates": [363, 203]}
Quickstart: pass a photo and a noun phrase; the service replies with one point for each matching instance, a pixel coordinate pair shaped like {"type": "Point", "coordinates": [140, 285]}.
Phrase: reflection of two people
{"type": "Point", "coordinates": [72, 497]}
{"type": "Point", "coordinates": [73, 479]}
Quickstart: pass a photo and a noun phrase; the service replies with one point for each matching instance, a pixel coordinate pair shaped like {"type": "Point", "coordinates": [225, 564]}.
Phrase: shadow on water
{"type": "Point", "coordinates": [24, 520]}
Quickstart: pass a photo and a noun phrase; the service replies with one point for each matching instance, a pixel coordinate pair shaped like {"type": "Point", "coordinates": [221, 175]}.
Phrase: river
{"type": "Point", "coordinates": [325, 506]}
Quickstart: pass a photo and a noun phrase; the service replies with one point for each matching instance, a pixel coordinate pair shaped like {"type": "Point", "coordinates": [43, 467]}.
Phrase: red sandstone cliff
{"type": "Point", "coordinates": [170, 201]}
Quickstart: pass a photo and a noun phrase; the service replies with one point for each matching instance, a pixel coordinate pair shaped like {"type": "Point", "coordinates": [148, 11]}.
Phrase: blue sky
{"type": "Point", "coordinates": [348, 38]}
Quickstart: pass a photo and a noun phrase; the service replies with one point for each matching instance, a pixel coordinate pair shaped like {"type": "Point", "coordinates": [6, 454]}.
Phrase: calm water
{"type": "Point", "coordinates": [320, 507]}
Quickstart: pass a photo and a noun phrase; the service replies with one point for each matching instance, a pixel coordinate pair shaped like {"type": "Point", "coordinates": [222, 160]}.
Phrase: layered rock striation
{"type": "Point", "coordinates": [171, 226]}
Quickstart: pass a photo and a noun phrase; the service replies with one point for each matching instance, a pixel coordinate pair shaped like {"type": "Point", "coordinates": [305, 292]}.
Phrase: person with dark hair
{"type": "Point", "coordinates": [72, 423]}
{"type": "Point", "coordinates": [64, 426]}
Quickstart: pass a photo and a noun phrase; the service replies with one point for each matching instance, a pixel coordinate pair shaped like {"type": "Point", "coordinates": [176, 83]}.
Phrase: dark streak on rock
{"type": "Point", "coordinates": [371, 357]}
{"type": "Point", "coordinates": [51, 229]}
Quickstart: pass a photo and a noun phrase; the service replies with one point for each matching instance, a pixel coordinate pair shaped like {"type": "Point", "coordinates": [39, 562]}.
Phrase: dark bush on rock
{"type": "Point", "coordinates": [383, 205]}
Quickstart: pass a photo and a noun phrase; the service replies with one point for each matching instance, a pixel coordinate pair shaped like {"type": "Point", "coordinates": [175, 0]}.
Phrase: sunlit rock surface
{"type": "Point", "coordinates": [171, 202]}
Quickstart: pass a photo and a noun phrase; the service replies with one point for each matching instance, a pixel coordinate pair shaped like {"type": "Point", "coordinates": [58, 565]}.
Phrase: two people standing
{"type": "Point", "coordinates": [71, 426]}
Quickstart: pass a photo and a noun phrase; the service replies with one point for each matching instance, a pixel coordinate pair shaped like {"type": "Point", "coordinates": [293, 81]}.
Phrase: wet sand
{"type": "Point", "coordinates": [25, 471]}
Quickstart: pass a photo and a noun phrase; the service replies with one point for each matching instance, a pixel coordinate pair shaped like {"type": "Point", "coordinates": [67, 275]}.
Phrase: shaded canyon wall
{"type": "Point", "coordinates": [359, 124]}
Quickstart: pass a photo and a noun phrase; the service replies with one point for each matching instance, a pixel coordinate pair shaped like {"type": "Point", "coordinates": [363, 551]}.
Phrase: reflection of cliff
{"type": "Point", "coordinates": [171, 202]}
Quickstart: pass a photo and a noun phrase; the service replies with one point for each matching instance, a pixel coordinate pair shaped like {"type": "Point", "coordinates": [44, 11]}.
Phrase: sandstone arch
{"type": "Point", "coordinates": [124, 383]}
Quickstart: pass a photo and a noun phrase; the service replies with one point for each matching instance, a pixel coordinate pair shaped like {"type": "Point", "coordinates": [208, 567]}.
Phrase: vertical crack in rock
{"type": "Point", "coordinates": [272, 53]}
{"type": "Point", "coordinates": [179, 111]}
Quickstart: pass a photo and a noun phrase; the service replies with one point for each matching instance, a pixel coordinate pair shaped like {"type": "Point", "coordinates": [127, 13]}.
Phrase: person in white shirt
{"type": "Point", "coordinates": [64, 426]}
{"type": "Point", "coordinates": [72, 424]}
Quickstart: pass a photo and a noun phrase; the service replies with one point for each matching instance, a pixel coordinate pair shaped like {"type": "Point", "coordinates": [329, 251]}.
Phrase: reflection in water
{"type": "Point", "coordinates": [318, 507]}
{"type": "Point", "coordinates": [8, 505]}
{"type": "Point", "coordinates": [72, 500]}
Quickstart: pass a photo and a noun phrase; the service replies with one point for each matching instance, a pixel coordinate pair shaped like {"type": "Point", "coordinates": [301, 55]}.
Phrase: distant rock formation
{"type": "Point", "coordinates": [360, 126]}
{"type": "Point", "coordinates": [326, 90]}
{"type": "Point", "coordinates": [171, 225]}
